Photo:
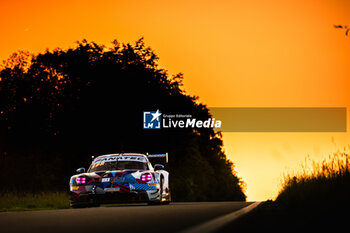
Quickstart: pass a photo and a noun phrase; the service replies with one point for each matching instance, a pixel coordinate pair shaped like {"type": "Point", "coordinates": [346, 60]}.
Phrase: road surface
{"type": "Point", "coordinates": [175, 217]}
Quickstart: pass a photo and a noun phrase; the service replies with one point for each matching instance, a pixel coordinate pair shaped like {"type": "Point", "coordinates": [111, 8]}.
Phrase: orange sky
{"type": "Point", "coordinates": [233, 53]}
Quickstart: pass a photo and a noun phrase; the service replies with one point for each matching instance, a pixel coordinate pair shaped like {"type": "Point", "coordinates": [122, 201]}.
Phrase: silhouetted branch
{"type": "Point", "coordinates": [345, 27]}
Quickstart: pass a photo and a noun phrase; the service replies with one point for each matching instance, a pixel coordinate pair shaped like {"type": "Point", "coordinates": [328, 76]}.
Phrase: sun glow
{"type": "Point", "coordinates": [233, 54]}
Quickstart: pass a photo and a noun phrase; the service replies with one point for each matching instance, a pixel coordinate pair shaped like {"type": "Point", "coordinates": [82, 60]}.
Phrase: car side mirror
{"type": "Point", "coordinates": [81, 170]}
{"type": "Point", "coordinates": [158, 167]}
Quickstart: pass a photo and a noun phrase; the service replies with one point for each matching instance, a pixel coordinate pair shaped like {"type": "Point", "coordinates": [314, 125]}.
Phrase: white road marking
{"type": "Point", "coordinates": [219, 222]}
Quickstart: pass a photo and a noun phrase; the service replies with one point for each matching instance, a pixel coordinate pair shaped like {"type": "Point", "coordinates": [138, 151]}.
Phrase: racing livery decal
{"type": "Point", "coordinates": [120, 178]}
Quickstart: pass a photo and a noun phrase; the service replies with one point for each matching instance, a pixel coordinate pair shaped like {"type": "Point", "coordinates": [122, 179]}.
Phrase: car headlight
{"type": "Point", "coordinates": [81, 180]}
{"type": "Point", "coordinates": [146, 177]}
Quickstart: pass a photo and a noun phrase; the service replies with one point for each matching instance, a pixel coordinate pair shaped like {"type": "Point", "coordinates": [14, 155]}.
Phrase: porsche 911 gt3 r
{"type": "Point", "coordinates": [122, 177]}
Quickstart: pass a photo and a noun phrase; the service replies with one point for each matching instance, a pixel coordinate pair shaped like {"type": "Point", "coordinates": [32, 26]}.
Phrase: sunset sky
{"type": "Point", "coordinates": [233, 53]}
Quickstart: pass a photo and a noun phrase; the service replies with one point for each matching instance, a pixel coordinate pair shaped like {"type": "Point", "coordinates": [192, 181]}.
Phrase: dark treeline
{"type": "Point", "coordinates": [59, 108]}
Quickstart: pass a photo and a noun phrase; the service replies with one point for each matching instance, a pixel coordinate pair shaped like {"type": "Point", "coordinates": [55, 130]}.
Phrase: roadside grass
{"type": "Point", "coordinates": [314, 199]}
{"type": "Point", "coordinates": [328, 180]}
{"type": "Point", "coordinates": [42, 201]}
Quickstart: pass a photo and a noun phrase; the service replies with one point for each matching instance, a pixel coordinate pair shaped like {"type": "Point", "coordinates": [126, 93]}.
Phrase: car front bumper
{"type": "Point", "coordinates": [95, 195]}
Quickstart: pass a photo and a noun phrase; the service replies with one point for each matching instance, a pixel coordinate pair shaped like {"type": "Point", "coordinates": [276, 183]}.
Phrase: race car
{"type": "Point", "coordinates": [124, 177]}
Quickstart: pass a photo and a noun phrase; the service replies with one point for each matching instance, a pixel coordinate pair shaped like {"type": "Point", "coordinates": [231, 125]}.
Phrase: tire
{"type": "Point", "coordinates": [154, 203]}
{"type": "Point", "coordinates": [84, 205]}
{"type": "Point", "coordinates": [161, 189]}
{"type": "Point", "coordinates": [160, 194]}
{"type": "Point", "coordinates": [94, 205]}
{"type": "Point", "coordinates": [76, 206]}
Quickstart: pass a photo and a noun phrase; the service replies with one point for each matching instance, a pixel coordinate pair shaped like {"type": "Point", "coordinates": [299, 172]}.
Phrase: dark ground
{"type": "Point", "coordinates": [273, 217]}
{"type": "Point", "coordinates": [121, 218]}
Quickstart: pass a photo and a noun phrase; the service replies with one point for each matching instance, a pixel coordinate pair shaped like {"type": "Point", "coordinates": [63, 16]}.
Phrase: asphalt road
{"type": "Point", "coordinates": [175, 217]}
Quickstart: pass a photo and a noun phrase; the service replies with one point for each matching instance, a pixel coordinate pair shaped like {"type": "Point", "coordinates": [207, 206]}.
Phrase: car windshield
{"type": "Point", "coordinates": [118, 165]}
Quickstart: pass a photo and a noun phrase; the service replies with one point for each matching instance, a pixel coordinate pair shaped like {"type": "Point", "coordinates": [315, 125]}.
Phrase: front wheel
{"type": "Point", "coordinates": [158, 202]}
{"type": "Point", "coordinates": [84, 205]}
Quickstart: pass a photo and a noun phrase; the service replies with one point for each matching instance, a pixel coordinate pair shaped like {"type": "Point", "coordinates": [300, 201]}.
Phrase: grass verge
{"type": "Point", "coordinates": [315, 199]}
{"type": "Point", "coordinates": [40, 201]}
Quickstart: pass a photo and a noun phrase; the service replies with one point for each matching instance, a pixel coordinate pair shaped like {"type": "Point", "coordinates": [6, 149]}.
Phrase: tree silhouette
{"type": "Point", "coordinates": [60, 107]}
{"type": "Point", "coordinates": [343, 27]}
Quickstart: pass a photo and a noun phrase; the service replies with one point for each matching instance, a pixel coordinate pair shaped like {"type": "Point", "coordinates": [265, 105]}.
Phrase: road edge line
{"type": "Point", "coordinates": [219, 222]}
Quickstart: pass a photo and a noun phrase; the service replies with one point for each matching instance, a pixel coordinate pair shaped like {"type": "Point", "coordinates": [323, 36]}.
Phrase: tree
{"type": "Point", "coordinates": [344, 28]}
{"type": "Point", "coordinates": [66, 105]}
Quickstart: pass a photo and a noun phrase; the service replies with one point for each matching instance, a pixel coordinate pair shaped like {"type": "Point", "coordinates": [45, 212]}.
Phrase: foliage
{"type": "Point", "coordinates": [328, 179]}
{"type": "Point", "coordinates": [60, 107]}
{"type": "Point", "coordinates": [25, 201]}
{"type": "Point", "coordinates": [314, 199]}
{"type": "Point", "coordinates": [345, 27]}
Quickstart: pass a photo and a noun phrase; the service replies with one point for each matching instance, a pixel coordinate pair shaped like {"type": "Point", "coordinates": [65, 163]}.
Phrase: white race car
{"type": "Point", "coordinates": [125, 177]}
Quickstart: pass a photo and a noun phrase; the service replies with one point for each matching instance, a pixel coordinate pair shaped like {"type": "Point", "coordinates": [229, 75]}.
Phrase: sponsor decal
{"type": "Point", "coordinates": [106, 179]}
{"type": "Point", "coordinates": [74, 188]}
{"type": "Point", "coordinates": [97, 164]}
{"type": "Point", "coordinates": [119, 158]}
{"type": "Point", "coordinates": [116, 189]}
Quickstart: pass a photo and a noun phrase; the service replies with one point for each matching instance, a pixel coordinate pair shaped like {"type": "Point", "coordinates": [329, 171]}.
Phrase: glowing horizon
{"type": "Point", "coordinates": [232, 53]}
